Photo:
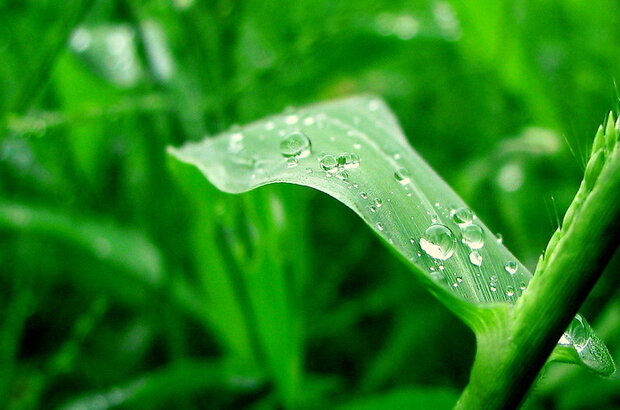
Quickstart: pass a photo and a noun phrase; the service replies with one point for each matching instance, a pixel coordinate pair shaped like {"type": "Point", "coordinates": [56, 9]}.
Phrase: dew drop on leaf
{"type": "Point", "coordinates": [510, 291]}
{"type": "Point", "coordinates": [328, 163]}
{"type": "Point", "coordinates": [511, 267]}
{"type": "Point", "coordinates": [348, 160]}
{"type": "Point", "coordinates": [475, 258]}
{"type": "Point", "coordinates": [462, 216]}
{"type": "Point", "coordinates": [296, 144]}
{"type": "Point", "coordinates": [473, 236]}
{"type": "Point", "coordinates": [403, 176]}
{"type": "Point", "coordinates": [438, 242]}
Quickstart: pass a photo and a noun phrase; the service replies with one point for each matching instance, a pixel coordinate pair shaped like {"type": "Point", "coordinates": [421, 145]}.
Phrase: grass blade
{"type": "Point", "coordinates": [354, 150]}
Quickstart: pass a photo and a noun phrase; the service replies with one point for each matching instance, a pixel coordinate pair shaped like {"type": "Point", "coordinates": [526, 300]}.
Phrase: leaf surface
{"type": "Point", "coordinates": [354, 150]}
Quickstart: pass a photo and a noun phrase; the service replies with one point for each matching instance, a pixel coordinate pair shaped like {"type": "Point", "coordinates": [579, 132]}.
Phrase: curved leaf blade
{"type": "Point", "coordinates": [354, 150]}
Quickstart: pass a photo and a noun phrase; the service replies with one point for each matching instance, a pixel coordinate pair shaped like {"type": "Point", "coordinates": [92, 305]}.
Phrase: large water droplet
{"type": "Point", "coordinates": [403, 176]}
{"type": "Point", "coordinates": [475, 258]}
{"type": "Point", "coordinates": [473, 236]}
{"type": "Point", "coordinates": [462, 216]}
{"type": "Point", "coordinates": [438, 242]}
{"type": "Point", "coordinates": [511, 267]}
{"type": "Point", "coordinates": [328, 163]}
{"type": "Point", "coordinates": [296, 144]}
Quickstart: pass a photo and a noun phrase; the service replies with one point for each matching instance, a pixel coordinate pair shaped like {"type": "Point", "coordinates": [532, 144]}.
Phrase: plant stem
{"type": "Point", "coordinates": [509, 359]}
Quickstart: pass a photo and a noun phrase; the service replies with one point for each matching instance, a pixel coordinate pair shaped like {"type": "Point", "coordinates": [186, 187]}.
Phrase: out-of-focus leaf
{"type": "Point", "coordinates": [178, 380]}
{"type": "Point", "coordinates": [125, 248]}
{"type": "Point", "coordinates": [413, 398]}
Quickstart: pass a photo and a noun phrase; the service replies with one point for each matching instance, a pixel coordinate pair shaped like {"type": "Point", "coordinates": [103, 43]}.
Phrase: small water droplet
{"type": "Point", "coordinates": [499, 237]}
{"type": "Point", "coordinates": [438, 242]}
{"type": "Point", "coordinates": [403, 176]}
{"type": "Point", "coordinates": [328, 163]}
{"type": "Point", "coordinates": [309, 120]}
{"type": "Point", "coordinates": [380, 226]}
{"type": "Point", "coordinates": [475, 258]}
{"type": "Point", "coordinates": [492, 287]}
{"type": "Point", "coordinates": [364, 195]}
{"type": "Point", "coordinates": [459, 279]}
{"type": "Point", "coordinates": [343, 175]}
{"type": "Point", "coordinates": [372, 209]}
{"type": "Point", "coordinates": [296, 144]}
{"type": "Point", "coordinates": [493, 278]}
{"type": "Point", "coordinates": [348, 160]}
{"type": "Point", "coordinates": [510, 291]}
{"type": "Point", "coordinates": [357, 146]}
{"type": "Point", "coordinates": [455, 285]}
{"type": "Point", "coordinates": [235, 143]}
{"type": "Point", "coordinates": [522, 286]}
{"type": "Point", "coordinates": [511, 267]}
{"type": "Point", "coordinates": [462, 216]}
{"type": "Point", "coordinates": [473, 236]}
{"type": "Point", "coordinates": [291, 119]}
{"type": "Point", "coordinates": [373, 105]}
{"type": "Point", "coordinates": [378, 202]}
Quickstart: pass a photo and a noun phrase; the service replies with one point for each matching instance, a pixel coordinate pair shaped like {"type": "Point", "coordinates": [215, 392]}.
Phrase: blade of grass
{"type": "Point", "coordinates": [354, 150]}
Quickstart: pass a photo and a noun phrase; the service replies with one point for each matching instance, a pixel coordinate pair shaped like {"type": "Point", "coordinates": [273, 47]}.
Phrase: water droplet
{"type": "Point", "coordinates": [328, 163]}
{"type": "Point", "coordinates": [291, 119]}
{"type": "Point", "coordinates": [235, 143]}
{"type": "Point", "coordinates": [309, 121]}
{"type": "Point", "coordinates": [522, 286]}
{"type": "Point", "coordinates": [438, 242]}
{"type": "Point", "coordinates": [364, 195]}
{"type": "Point", "coordinates": [493, 287]}
{"type": "Point", "coordinates": [403, 176]}
{"type": "Point", "coordinates": [380, 226]}
{"type": "Point", "coordinates": [475, 258]}
{"type": "Point", "coordinates": [511, 267]}
{"type": "Point", "coordinates": [344, 176]}
{"type": "Point", "coordinates": [459, 279]}
{"type": "Point", "coordinates": [473, 236]}
{"type": "Point", "coordinates": [462, 216]}
{"type": "Point", "coordinates": [378, 202]}
{"type": "Point", "coordinates": [373, 105]}
{"type": "Point", "coordinates": [372, 209]}
{"type": "Point", "coordinates": [499, 237]}
{"type": "Point", "coordinates": [510, 291]}
{"type": "Point", "coordinates": [348, 160]}
{"type": "Point", "coordinates": [357, 146]}
{"type": "Point", "coordinates": [493, 278]}
{"type": "Point", "coordinates": [455, 285]}
{"type": "Point", "coordinates": [296, 144]}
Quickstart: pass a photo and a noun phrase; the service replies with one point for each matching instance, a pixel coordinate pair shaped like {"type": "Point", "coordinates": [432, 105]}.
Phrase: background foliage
{"type": "Point", "coordinates": [126, 280]}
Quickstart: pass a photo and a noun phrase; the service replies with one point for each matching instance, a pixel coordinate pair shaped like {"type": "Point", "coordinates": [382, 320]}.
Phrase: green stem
{"type": "Point", "coordinates": [510, 357]}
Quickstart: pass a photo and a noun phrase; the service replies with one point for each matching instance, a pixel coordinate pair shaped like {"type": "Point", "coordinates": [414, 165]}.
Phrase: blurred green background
{"type": "Point", "coordinates": [127, 281]}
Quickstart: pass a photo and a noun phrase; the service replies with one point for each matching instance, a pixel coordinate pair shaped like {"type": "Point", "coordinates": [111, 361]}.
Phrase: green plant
{"type": "Point", "coordinates": [355, 151]}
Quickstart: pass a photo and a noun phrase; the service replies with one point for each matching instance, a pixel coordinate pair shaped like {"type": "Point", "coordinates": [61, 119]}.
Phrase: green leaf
{"type": "Point", "coordinates": [179, 380]}
{"type": "Point", "coordinates": [355, 151]}
{"type": "Point", "coordinates": [412, 398]}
